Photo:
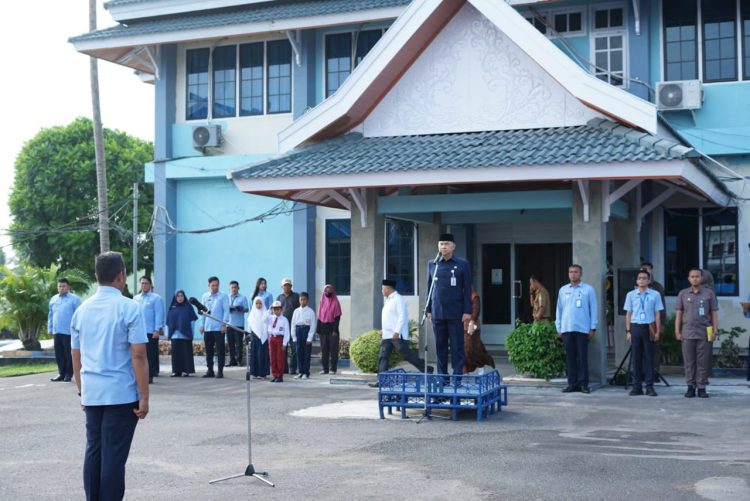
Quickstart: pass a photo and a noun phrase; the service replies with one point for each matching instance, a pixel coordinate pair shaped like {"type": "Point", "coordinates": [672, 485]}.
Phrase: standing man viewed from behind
{"type": "Point", "coordinates": [61, 309]}
{"type": "Point", "coordinates": [152, 311]}
{"type": "Point", "coordinates": [576, 317]}
{"type": "Point", "coordinates": [213, 332]}
{"type": "Point", "coordinates": [450, 304]}
{"type": "Point", "coordinates": [696, 325]}
{"type": "Point", "coordinates": [111, 373]}
{"type": "Point", "coordinates": [289, 302]}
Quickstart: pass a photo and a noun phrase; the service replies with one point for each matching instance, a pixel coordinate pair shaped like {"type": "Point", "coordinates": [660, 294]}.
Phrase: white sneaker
{"type": "Point", "coordinates": [322, 373]}
{"type": "Point", "coordinates": [298, 376]}
{"type": "Point", "coordinates": [304, 376]}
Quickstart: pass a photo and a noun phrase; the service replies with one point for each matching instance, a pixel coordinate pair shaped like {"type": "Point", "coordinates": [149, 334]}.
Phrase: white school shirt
{"type": "Point", "coordinates": [280, 329]}
{"type": "Point", "coordinates": [304, 315]}
{"type": "Point", "coordinates": [395, 316]}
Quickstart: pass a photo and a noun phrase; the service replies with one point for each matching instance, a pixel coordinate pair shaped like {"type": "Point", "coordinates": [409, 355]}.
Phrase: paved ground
{"type": "Point", "coordinates": [324, 441]}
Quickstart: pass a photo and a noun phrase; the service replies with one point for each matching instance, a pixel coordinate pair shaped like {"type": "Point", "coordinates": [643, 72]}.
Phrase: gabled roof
{"type": "Point", "coordinates": [413, 31]}
{"type": "Point", "coordinates": [600, 141]}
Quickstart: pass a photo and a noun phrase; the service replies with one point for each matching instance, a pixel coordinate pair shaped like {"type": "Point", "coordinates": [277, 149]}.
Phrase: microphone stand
{"type": "Point", "coordinates": [425, 412]}
{"type": "Point", "coordinates": [250, 470]}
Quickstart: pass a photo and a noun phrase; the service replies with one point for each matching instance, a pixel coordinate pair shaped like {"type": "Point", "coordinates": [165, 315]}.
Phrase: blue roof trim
{"type": "Point", "coordinates": [253, 13]}
{"type": "Point", "coordinates": [355, 154]}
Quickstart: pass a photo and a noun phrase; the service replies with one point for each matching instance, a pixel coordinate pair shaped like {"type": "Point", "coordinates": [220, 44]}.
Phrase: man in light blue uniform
{"type": "Point", "coordinates": [111, 373]}
{"type": "Point", "coordinates": [642, 326]}
{"type": "Point", "coordinates": [576, 318]}
{"type": "Point", "coordinates": [152, 310]}
{"type": "Point", "coordinates": [450, 304]}
{"type": "Point", "coordinates": [238, 306]}
{"type": "Point", "coordinates": [213, 332]}
{"type": "Point", "coordinates": [61, 308]}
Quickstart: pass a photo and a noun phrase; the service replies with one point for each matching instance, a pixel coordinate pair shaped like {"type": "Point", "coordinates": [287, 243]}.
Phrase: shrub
{"type": "Point", "coordinates": [729, 352]}
{"type": "Point", "coordinates": [343, 348]}
{"type": "Point", "coordinates": [364, 351]}
{"type": "Point", "coordinates": [671, 349]}
{"type": "Point", "coordinates": [535, 349]}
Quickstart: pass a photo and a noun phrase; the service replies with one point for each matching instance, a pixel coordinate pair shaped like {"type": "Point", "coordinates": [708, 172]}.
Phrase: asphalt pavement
{"type": "Point", "coordinates": [324, 441]}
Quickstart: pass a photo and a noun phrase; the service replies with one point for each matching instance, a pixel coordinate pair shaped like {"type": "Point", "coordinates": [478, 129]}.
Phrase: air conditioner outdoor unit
{"type": "Point", "coordinates": [679, 95]}
{"type": "Point", "coordinates": [206, 136]}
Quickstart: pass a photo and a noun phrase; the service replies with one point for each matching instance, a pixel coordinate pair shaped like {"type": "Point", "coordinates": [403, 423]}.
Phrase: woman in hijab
{"type": "Point", "coordinates": [474, 349]}
{"type": "Point", "coordinates": [180, 320]}
{"type": "Point", "coordinates": [258, 357]}
{"type": "Point", "coordinates": [329, 315]}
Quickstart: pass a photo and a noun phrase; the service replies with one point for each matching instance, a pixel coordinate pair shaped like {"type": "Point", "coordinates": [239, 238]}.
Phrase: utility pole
{"type": "Point", "coordinates": [135, 238]}
{"type": "Point", "coordinates": [101, 168]}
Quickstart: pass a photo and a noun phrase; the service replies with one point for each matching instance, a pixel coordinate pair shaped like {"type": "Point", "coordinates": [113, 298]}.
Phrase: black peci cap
{"type": "Point", "coordinates": [389, 283]}
{"type": "Point", "coordinates": [446, 237]}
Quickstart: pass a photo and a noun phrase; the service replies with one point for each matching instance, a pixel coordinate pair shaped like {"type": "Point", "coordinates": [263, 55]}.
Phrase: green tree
{"type": "Point", "coordinates": [24, 298]}
{"type": "Point", "coordinates": [53, 200]}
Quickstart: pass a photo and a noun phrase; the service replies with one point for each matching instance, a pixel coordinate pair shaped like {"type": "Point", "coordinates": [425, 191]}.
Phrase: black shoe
{"type": "Point", "coordinates": [636, 392]}
{"type": "Point", "coordinates": [57, 379]}
{"type": "Point", "coordinates": [150, 380]}
{"type": "Point", "coordinates": [175, 375]}
{"type": "Point", "coordinates": [585, 389]}
{"type": "Point", "coordinates": [570, 389]}
{"type": "Point", "coordinates": [273, 380]}
{"type": "Point", "coordinates": [67, 379]}
{"type": "Point", "coordinates": [220, 375]}
{"type": "Point", "coordinates": [373, 384]}
{"type": "Point", "coordinates": [208, 374]}
{"type": "Point", "coordinates": [280, 380]}
{"type": "Point", "coordinates": [690, 393]}
{"type": "Point", "coordinates": [650, 392]}
{"type": "Point", "coordinates": [702, 393]}
{"type": "Point", "coordinates": [430, 369]}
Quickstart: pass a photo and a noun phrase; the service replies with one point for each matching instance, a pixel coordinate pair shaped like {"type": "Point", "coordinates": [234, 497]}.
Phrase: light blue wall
{"type": "Point", "coordinates": [243, 253]}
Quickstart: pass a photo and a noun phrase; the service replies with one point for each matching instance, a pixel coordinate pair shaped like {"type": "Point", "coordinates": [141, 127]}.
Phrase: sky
{"type": "Point", "coordinates": [46, 83]}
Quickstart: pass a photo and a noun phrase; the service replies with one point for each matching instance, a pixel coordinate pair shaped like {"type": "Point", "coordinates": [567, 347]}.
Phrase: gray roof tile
{"type": "Point", "coordinates": [253, 13]}
{"type": "Point", "coordinates": [355, 154]}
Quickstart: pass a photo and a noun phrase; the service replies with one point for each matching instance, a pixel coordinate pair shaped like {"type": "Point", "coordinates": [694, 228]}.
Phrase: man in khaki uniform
{"type": "Point", "coordinates": [696, 326]}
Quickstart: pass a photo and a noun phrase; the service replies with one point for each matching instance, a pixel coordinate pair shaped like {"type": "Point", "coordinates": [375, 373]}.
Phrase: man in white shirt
{"type": "Point", "coordinates": [395, 330]}
{"type": "Point", "coordinates": [304, 320]}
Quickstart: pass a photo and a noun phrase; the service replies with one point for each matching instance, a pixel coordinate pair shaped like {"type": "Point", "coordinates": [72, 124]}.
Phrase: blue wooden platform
{"type": "Point", "coordinates": [483, 393]}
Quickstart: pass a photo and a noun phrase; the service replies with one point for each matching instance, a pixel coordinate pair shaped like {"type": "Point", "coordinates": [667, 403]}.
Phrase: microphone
{"type": "Point", "coordinates": [438, 257]}
{"type": "Point", "coordinates": [198, 305]}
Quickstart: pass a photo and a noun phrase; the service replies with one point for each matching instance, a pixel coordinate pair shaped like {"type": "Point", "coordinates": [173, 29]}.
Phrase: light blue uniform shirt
{"type": "Point", "coordinates": [218, 306]}
{"type": "Point", "coordinates": [643, 306]}
{"type": "Point", "coordinates": [577, 309]}
{"type": "Point", "coordinates": [152, 309]}
{"type": "Point", "coordinates": [238, 317]}
{"type": "Point", "coordinates": [267, 298]}
{"type": "Point", "coordinates": [103, 329]}
{"type": "Point", "coordinates": [61, 309]}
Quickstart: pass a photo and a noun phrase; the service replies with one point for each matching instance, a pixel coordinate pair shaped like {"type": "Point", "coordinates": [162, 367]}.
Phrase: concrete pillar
{"type": "Point", "coordinates": [367, 261]}
{"type": "Point", "coordinates": [428, 234]}
{"type": "Point", "coordinates": [590, 251]}
{"type": "Point", "coordinates": [625, 254]}
{"type": "Point", "coordinates": [303, 255]}
{"type": "Point", "coordinates": [165, 251]}
{"type": "Point", "coordinates": [304, 75]}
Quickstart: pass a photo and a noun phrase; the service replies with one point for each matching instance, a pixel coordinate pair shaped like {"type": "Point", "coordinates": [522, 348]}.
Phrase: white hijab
{"type": "Point", "coordinates": [255, 320]}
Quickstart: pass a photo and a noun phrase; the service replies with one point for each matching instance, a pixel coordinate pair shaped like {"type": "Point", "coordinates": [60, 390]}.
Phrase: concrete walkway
{"type": "Point", "coordinates": [324, 441]}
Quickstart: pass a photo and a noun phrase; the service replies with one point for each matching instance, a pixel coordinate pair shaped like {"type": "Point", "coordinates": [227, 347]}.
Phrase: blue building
{"type": "Point", "coordinates": [539, 133]}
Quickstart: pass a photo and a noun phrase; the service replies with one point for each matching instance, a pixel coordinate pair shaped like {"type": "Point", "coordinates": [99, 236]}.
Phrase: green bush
{"type": "Point", "coordinates": [364, 351]}
{"type": "Point", "coordinates": [343, 348]}
{"type": "Point", "coordinates": [729, 352]}
{"type": "Point", "coordinates": [671, 349]}
{"type": "Point", "coordinates": [535, 349]}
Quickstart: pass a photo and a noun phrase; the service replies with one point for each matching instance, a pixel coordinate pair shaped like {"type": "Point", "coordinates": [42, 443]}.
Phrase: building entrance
{"type": "Point", "coordinates": [549, 263]}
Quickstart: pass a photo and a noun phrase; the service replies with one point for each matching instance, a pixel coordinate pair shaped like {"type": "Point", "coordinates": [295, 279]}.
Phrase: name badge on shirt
{"type": "Point", "coordinates": [643, 316]}
{"type": "Point", "coordinates": [578, 303]}
{"type": "Point", "coordinates": [701, 311]}
{"type": "Point", "coordinates": [453, 278]}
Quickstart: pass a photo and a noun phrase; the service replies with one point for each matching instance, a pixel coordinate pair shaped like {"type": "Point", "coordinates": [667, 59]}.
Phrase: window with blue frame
{"type": "Point", "coordinates": [682, 249]}
{"type": "Point", "coordinates": [719, 40]}
{"type": "Point", "coordinates": [251, 79]}
{"type": "Point", "coordinates": [342, 55]}
{"type": "Point", "coordinates": [680, 39]}
{"type": "Point", "coordinates": [400, 252]}
{"type": "Point", "coordinates": [279, 76]}
{"type": "Point", "coordinates": [338, 255]}
{"type": "Point", "coordinates": [609, 49]}
{"type": "Point", "coordinates": [225, 81]}
{"type": "Point", "coordinates": [197, 84]}
{"type": "Point", "coordinates": [745, 21]}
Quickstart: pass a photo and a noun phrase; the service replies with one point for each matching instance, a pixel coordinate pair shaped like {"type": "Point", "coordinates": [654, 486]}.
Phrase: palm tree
{"type": "Point", "coordinates": [24, 298]}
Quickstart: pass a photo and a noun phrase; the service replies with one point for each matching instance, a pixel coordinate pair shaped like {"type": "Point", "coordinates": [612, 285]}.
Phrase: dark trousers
{"type": "Point", "coordinates": [234, 340]}
{"type": "Point", "coordinates": [696, 354]}
{"type": "Point", "coordinates": [643, 350]}
{"type": "Point", "coordinates": [748, 362]}
{"type": "Point", "coordinates": [62, 355]}
{"type": "Point", "coordinates": [449, 336]}
{"type": "Point", "coordinates": [258, 357]}
{"type": "Point", "coordinates": [152, 354]}
{"type": "Point", "coordinates": [216, 338]}
{"type": "Point", "coordinates": [576, 357]}
{"type": "Point", "coordinates": [387, 346]}
{"type": "Point", "coordinates": [304, 351]}
{"type": "Point", "coordinates": [109, 433]}
{"type": "Point", "coordinates": [182, 356]}
{"type": "Point", "coordinates": [329, 352]}
{"type": "Point", "coordinates": [290, 357]}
